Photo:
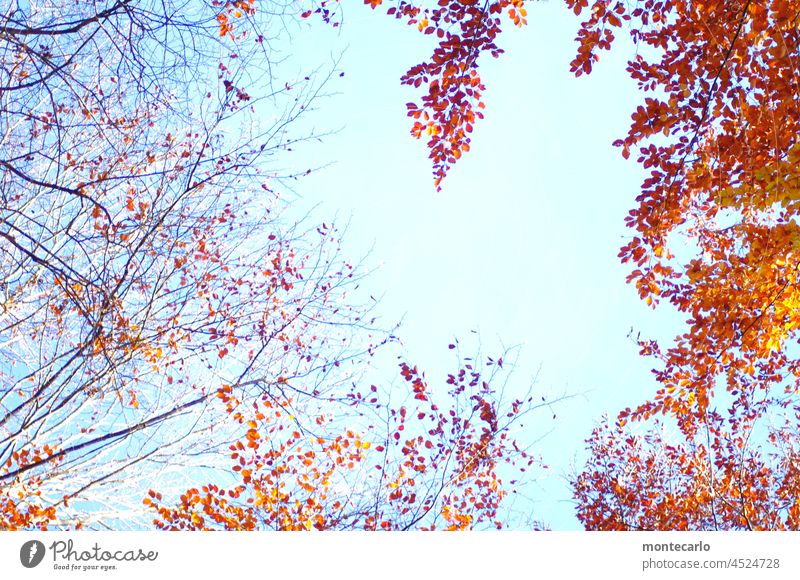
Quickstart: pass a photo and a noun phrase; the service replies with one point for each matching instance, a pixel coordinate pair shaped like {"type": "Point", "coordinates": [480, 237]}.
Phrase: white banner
{"type": "Point", "coordinates": [417, 555]}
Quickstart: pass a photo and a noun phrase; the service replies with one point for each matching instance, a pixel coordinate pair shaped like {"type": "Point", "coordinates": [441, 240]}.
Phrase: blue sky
{"type": "Point", "coordinates": [521, 244]}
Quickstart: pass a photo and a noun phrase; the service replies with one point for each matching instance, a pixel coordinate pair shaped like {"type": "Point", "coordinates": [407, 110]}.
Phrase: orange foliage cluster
{"type": "Point", "coordinates": [425, 467]}
{"type": "Point", "coordinates": [717, 237]}
{"type": "Point", "coordinates": [464, 30]}
{"type": "Point", "coordinates": [234, 8]}
{"type": "Point", "coordinates": [21, 504]}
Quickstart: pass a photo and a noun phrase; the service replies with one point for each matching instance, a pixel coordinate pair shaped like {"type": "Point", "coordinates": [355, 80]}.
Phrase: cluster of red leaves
{"type": "Point", "coordinates": [464, 30]}
{"type": "Point", "coordinates": [719, 139]}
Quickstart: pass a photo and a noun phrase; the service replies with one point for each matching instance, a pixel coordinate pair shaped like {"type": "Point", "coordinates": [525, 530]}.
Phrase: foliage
{"type": "Point", "coordinates": [717, 479]}
{"type": "Point", "coordinates": [716, 236]}
{"type": "Point", "coordinates": [162, 321]}
{"type": "Point", "coordinates": [465, 30]}
{"type": "Point", "coordinates": [415, 466]}
{"type": "Point", "coordinates": [144, 259]}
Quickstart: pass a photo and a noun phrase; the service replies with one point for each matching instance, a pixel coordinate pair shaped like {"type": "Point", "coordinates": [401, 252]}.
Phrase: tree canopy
{"type": "Point", "coordinates": [176, 351]}
{"type": "Point", "coordinates": [715, 236]}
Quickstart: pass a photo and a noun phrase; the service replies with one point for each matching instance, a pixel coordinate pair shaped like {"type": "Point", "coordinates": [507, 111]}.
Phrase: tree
{"type": "Point", "coordinates": [716, 236]}
{"type": "Point", "coordinates": [144, 259]}
{"type": "Point", "coordinates": [466, 30]}
{"type": "Point", "coordinates": [721, 478]}
{"type": "Point", "coordinates": [434, 462]}
{"type": "Point", "coordinates": [158, 312]}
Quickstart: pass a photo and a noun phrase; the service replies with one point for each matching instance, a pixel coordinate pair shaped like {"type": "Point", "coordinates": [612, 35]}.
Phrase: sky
{"type": "Point", "coordinates": [520, 245]}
